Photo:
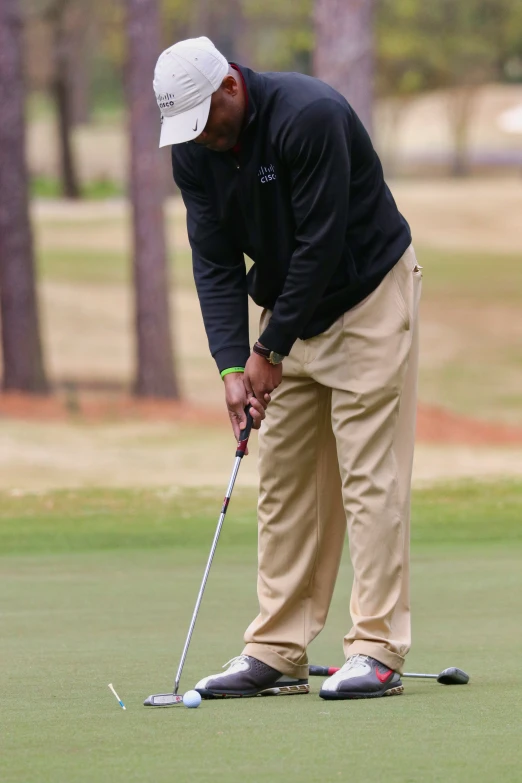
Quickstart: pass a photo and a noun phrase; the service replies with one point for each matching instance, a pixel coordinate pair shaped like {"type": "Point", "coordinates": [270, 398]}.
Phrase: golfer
{"type": "Point", "coordinates": [278, 166]}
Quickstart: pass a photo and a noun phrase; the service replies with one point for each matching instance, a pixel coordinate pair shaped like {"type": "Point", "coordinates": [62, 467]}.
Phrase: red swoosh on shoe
{"type": "Point", "coordinates": [384, 677]}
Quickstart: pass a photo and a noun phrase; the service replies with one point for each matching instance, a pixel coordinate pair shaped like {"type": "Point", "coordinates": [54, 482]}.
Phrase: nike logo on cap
{"type": "Point", "coordinates": [195, 126]}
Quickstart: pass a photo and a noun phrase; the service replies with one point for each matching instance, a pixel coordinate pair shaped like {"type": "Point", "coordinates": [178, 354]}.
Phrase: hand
{"type": "Point", "coordinates": [261, 378]}
{"type": "Point", "coordinates": [237, 398]}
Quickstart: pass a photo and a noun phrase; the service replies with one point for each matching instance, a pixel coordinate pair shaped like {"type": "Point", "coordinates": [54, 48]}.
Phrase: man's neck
{"type": "Point", "coordinates": [243, 94]}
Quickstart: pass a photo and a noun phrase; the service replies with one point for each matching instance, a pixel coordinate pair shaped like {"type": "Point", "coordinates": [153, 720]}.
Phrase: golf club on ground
{"type": "Point", "coordinates": [451, 676]}
{"type": "Point", "coordinates": [170, 699]}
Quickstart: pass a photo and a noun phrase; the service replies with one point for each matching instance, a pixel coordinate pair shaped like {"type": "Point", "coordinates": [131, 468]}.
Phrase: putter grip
{"type": "Point", "coordinates": [244, 434]}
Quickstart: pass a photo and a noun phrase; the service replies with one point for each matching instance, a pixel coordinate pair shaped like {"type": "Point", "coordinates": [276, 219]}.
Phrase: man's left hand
{"type": "Point", "coordinates": [261, 377]}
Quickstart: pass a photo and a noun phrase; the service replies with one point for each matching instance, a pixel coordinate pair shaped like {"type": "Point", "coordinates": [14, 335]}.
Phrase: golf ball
{"type": "Point", "coordinates": [191, 699]}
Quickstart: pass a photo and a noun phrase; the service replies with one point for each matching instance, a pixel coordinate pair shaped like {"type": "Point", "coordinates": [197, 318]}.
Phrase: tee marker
{"type": "Point", "coordinates": [122, 705]}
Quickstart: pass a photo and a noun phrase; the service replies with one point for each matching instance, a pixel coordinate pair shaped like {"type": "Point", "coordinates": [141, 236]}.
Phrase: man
{"type": "Point", "coordinates": [278, 166]}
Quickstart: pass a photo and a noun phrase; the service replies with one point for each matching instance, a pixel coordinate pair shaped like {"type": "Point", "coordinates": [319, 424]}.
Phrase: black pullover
{"type": "Point", "coordinates": [305, 199]}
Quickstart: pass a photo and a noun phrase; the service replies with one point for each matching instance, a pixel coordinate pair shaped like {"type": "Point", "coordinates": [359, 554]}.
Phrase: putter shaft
{"type": "Point", "coordinates": [327, 671]}
{"type": "Point", "coordinates": [420, 676]}
{"type": "Point", "coordinates": [451, 676]}
{"type": "Point", "coordinates": [167, 699]}
{"type": "Point", "coordinates": [237, 463]}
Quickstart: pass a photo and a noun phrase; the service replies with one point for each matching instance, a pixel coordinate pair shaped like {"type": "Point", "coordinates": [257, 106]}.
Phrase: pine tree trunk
{"type": "Point", "coordinates": [61, 90]}
{"type": "Point", "coordinates": [68, 174]}
{"type": "Point", "coordinates": [229, 31]}
{"type": "Point", "coordinates": [344, 51]}
{"type": "Point", "coordinates": [82, 45]}
{"type": "Point", "coordinates": [23, 368]}
{"type": "Point", "coordinates": [155, 375]}
{"type": "Point", "coordinates": [460, 105]}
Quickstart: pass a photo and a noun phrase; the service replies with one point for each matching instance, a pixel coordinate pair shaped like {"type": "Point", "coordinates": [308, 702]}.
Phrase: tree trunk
{"type": "Point", "coordinates": [229, 32]}
{"type": "Point", "coordinates": [344, 51]}
{"type": "Point", "coordinates": [61, 93]}
{"type": "Point", "coordinates": [23, 367]}
{"type": "Point", "coordinates": [240, 43]}
{"type": "Point", "coordinates": [82, 44]}
{"type": "Point", "coordinates": [155, 366]}
{"type": "Point", "coordinates": [225, 24]}
{"type": "Point", "coordinates": [460, 106]}
{"type": "Point", "coordinates": [68, 174]}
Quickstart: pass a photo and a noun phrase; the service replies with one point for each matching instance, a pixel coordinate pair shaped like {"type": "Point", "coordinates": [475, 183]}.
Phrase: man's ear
{"type": "Point", "coordinates": [229, 85]}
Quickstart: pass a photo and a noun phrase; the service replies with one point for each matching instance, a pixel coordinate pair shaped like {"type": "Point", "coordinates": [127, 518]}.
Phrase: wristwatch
{"type": "Point", "coordinates": [270, 356]}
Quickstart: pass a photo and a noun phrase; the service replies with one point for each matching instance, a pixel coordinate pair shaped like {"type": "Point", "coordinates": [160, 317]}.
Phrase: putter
{"type": "Point", "coordinates": [171, 699]}
{"type": "Point", "coordinates": [451, 676]}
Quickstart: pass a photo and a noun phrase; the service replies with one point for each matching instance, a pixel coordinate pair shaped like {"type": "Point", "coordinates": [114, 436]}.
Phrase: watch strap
{"type": "Point", "coordinates": [262, 351]}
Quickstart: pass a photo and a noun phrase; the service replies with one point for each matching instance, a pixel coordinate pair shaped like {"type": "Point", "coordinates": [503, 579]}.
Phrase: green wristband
{"type": "Point", "coordinates": [232, 369]}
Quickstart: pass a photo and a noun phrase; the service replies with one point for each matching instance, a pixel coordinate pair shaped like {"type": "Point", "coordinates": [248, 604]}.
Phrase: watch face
{"type": "Point", "coordinates": [276, 358]}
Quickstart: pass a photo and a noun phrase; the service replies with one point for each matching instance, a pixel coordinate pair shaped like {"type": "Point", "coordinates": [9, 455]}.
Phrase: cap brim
{"type": "Point", "coordinates": [185, 126]}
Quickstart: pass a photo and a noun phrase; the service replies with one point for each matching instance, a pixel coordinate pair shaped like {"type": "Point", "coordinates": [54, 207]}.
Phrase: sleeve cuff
{"type": "Point", "coordinates": [231, 370]}
{"type": "Point", "coordinates": [274, 339]}
{"type": "Point", "coordinates": [235, 356]}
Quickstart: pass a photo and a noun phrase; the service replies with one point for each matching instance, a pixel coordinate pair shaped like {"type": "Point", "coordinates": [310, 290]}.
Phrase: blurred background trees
{"type": "Point", "coordinates": [344, 51]}
{"type": "Point", "coordinates": [393, 50]}
{"type": "Point", "coordinates": [453, 46]}
{"type": "Point", "coordinates": [65, 18]}
{"type": "Point", "coordinates": [88, 66]}
{"type": "Point", "coordinates": [23, 367]}
{"type": "Point", "coordinates": [155, 376]}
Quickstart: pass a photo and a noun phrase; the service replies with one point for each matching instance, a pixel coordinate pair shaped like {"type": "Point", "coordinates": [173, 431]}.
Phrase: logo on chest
{"type": "Point", "coordinates": [266, 174]}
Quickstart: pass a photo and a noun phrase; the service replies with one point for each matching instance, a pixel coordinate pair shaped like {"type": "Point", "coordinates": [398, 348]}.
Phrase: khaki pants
{"type": "Point", "coordinates": [336, 449]}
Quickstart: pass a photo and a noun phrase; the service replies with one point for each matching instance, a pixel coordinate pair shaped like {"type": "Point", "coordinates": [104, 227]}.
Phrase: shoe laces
{"type": "Point", "coordinates": [354, 661]}
{"type": "Point", "coordinates": [235, 663]}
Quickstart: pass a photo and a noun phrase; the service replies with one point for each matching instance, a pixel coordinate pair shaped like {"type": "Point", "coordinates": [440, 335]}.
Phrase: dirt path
{"type": "Point", "coordinates": [102, 404]}
{"type": "Point", "coordinates": [105, 439]}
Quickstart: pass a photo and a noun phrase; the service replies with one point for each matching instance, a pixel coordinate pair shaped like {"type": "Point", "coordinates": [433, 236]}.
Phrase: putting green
{"type": "Point", "coordinates": [99, 587]}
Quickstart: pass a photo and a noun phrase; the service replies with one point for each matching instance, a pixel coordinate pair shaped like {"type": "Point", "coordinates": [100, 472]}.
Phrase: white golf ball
{"type": "Point", "coordinates": [192, 699]}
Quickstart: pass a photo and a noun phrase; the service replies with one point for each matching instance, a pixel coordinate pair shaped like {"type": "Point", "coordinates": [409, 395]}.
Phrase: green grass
{"type": "Point", "coordinates": [85, 266]}
{"type": "Point", "coordinates": [108, 108]}
{"type": "Point", "coordinates": [477, 276]}
{"type": "Point", "coordinates": [48, 187]}
{"type": "Point", "coordinates": [98, 587]}
{"type": "Point", "coordinates": [471, 360]}
{"type": "Point", "coordinates": [484, 277]}
{"type": "Point", "coordinates": [96, 520]}
{"type": "Point", "coordinates": [104, 266]}
{"type": "Point", "coordinates": [82, 521]}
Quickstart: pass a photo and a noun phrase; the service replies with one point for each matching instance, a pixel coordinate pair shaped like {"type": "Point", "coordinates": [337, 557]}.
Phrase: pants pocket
{"type": "Point", "coordinates": [404, 273]}
{"type": "Point", "coordinates": [401, 293]}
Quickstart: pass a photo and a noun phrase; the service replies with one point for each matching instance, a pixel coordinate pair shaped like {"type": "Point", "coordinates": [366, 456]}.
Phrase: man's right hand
{"type": "Point", "coordinates": [237, 399]}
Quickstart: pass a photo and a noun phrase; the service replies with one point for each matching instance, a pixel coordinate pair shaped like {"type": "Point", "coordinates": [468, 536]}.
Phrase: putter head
{"type": "Point", "coordinates": [163, 700]}
{"type": "Point", "coordinates": [453, 676]}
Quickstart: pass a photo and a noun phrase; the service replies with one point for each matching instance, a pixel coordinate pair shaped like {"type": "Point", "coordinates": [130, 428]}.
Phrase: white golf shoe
{"type": "Point", "coordinates": [362, 677]}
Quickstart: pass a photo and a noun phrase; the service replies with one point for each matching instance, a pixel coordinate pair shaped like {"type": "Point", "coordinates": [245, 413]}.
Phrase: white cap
{"type": "Point", "coordinates": [185, 77]}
